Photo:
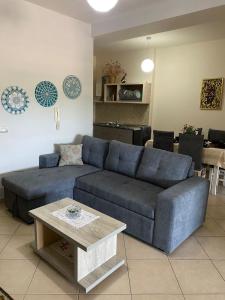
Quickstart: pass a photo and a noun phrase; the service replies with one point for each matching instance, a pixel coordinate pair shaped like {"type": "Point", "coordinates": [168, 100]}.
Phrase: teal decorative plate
{"type": "Point", "coordinates": [72, 87]}
{"type": "Point", "coordinates": [46, 93]}
{"type": "Point", "coordinates": [15, 100]}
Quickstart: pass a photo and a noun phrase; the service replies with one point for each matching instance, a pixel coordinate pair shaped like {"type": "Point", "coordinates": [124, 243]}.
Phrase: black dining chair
{"type": "Point", "coordinates": [199, 131]}
{"type": "Point", "coordinates": [192, 145]}
{"type": "Point", "coordinates": [163, 140]}
{"type": "Point", "coordinates": [217, 137]}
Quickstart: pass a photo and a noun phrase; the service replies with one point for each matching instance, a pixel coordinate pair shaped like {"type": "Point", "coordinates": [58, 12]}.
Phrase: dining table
{"type": "Point", "coordinates": [211, 156]}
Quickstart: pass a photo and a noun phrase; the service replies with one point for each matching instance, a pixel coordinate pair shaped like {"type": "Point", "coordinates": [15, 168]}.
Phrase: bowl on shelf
{"type": "Point", "coordinates": [129, 95]}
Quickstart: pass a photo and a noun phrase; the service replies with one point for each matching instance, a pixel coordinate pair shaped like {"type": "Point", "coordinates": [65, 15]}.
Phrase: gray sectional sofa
{"type": "Point", "coordinates": [153, 191]}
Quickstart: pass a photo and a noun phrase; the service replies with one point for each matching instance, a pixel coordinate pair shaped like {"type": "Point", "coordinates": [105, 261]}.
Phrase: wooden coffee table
{"type": "Point", "coordinates": [86, 255]}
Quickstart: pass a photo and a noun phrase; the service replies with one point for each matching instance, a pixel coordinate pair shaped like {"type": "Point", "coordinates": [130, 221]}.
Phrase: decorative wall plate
{"type": "Point", "coordinates": [72, 87]}
{"type": "Point", "coordinates": [46, 93]}
{"type": "Point", "coordinates": [15, 100]}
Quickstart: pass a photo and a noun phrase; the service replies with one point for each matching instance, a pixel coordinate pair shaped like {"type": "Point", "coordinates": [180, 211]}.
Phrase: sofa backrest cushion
{"type": "Point", "coordinates": [123, 158]}
{"type": "Point", "coordinates": [163, 168]}
{"type": "Point", "coordinates": [94, 151]}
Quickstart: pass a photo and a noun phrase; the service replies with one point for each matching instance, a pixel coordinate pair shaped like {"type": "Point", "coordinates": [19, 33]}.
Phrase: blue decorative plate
{"type": "Point", "coordinates": [15, 100]}
{"type": "Point", "coordinates": [72, 87]}
{"type": "Point", "coordinates": [46, 93]}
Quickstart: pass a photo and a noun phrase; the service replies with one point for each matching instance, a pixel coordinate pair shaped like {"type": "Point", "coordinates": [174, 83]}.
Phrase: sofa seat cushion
{"type": "Point", "coordinates": [123, 158]}
{"type": "Point", "coordinates": [163, 168]}
{"type": "Point", "coordinates": [35, 183]}
{"type": "Point", "coordinates": [135, 195]}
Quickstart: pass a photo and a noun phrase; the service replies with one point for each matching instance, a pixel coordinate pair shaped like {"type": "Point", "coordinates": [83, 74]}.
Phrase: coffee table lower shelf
{"type": "Point", "coordinates": [85, 256]}
{"type": "Point", "coordinates": [97, 276]}
{"type": "Point", "coordinates": [67, 268]}
{"type": "Point", "coordinates": [85, 267]}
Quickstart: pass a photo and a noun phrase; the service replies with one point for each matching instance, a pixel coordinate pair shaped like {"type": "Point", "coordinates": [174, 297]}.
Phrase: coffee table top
{"type": "Point", "coordinates": [86, 237]}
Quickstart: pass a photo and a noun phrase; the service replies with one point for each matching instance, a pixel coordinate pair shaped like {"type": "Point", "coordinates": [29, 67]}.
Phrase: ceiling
{"type": "Point", "coordinates": [136, 17]}
{"type": "Point", "coordinates": [169, 22]}
{"type": "Point", "coordinates": [79, 9]}
{"type": "Point", "coordinates": [192, 34]}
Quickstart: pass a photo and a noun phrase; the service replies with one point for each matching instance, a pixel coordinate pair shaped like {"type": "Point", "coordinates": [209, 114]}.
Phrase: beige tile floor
{"type": "Point", "coordinates": [195, 271]}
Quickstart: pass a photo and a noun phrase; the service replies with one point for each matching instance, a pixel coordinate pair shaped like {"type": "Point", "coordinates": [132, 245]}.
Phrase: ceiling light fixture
{"type": "Point", "coordinates": [147, 64]}
{"type": "Point", "coordinates": [102, 5]}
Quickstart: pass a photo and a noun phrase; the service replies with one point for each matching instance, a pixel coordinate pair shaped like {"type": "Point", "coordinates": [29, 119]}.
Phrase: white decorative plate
{"type": "Point", "coordinates": [15, 100]}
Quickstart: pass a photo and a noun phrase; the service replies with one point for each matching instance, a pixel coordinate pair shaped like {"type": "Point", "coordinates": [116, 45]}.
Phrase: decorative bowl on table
{"type": "Point", "coordinates": [73, 211]}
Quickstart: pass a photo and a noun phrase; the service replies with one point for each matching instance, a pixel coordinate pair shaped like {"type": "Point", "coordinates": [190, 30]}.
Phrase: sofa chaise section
{"type": "Point", "coordinates": [26, 190]}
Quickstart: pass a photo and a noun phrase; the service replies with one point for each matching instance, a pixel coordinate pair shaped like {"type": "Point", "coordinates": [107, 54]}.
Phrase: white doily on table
{"type": "Point", "coordinates": [78, 222]}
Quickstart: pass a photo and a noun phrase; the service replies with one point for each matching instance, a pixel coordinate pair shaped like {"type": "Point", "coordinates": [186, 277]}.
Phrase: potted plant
{"type": "Point", "coordinates": [113, 69]}
{"type": "Point", "coordinates": [189, 129]}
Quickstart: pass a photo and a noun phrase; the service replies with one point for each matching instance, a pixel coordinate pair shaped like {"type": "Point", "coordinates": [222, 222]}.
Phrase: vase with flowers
{"type": "Point", "coordinates": [113, 69]}
{"type": "Point", "coordinates": [189, 129]}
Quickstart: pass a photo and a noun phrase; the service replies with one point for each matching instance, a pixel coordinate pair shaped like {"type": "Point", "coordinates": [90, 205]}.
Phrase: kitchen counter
{"type": "Point", "coordinates": [122, 126]}
{"type": "Point", "coordinates": [127, 133]}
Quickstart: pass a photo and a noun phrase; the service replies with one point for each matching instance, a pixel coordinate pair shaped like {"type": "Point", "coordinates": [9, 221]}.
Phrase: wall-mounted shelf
{"type": "Point", "coordinates": [120, 102]}
{"type": "Point", "coordinates": [127, 93]}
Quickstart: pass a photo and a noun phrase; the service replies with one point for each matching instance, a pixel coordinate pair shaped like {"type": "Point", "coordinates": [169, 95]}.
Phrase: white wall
{"type": "Point", "coordinates": [178, 79]}
{"type": "Point", "coordinates": [38, 44]}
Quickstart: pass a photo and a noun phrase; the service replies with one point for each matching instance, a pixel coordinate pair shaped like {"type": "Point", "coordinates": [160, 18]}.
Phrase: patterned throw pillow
{"type": "Point", "coordinates": [70, 155]}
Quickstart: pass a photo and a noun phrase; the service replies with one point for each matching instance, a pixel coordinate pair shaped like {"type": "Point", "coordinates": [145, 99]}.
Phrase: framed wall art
{"type": "Point", "coordinates": [212, 94]}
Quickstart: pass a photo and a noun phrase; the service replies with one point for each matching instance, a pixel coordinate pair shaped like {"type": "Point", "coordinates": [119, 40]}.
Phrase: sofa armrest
{"type": "Point", "coordinates": [180, 210]}
{"type": "Point", "coordinates": [49, 160]}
